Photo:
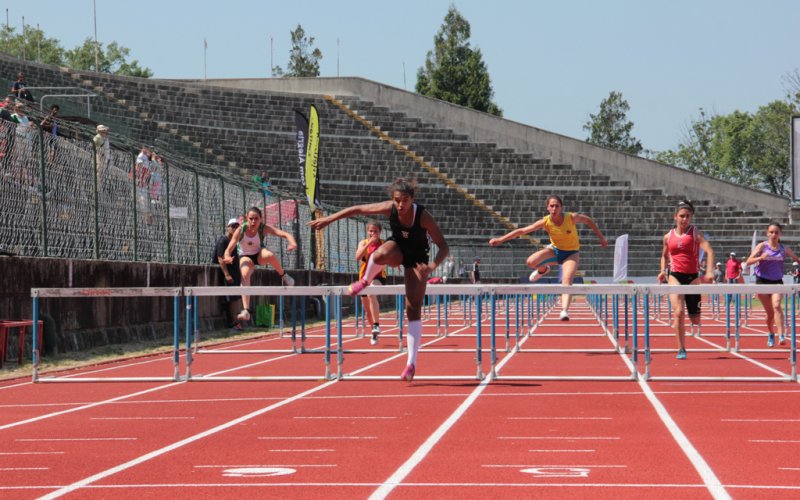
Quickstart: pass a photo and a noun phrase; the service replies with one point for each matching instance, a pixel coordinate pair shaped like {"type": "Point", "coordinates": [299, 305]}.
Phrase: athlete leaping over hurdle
{"type": "Point", "coordinates": [412, 225]}
{"type": "Point", "coordinates": [563, 248]}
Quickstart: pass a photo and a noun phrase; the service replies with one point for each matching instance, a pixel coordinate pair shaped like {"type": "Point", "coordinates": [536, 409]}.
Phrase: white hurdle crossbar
{"type": "Point", "coordinates": [39, 293]}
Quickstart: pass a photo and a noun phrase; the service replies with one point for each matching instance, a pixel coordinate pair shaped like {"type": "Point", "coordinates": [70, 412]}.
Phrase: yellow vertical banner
{"type": "Point", "coordinates": [312, 160]}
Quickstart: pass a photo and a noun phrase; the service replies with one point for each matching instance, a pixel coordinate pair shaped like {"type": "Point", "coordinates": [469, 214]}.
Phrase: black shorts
{"type": "Point", "coordinates": [692, 300]}
{"type": "Point", "coordinates": [412, 256]}
{"type": "Point", "coordinates": [765, 281]}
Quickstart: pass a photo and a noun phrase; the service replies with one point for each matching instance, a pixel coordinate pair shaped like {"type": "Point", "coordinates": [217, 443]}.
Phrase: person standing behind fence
{"type": "Point", "coordinates": [768, 257]}
{"type": "Point", "coordinates": [364, 251]}
{"type": "Point", "coordinates": [50, 125]}
{"type": "Point", "coordinates": [250, 241]}
{"type": "Point", "coordinates": [231, 274]}
{"type": "Point", "coordinates": [681, 250]}
{"type": "Point", "coordinates": [142, 173]}
{"type": "Point", "coordinates": [733, 269]}
{"type": "Point", "coordinates": [102, 148]}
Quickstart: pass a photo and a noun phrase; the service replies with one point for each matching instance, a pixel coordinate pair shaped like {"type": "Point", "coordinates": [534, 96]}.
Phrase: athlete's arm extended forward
{"type": "Point", "coordinates": [539, 224]}
{"type": "Point", "coordinates": [282, 234]}
{"type": "Point", "coordinates": [382, 208]}
{"type": "Point", "coordinates": [228, 257]}
{"type": "Point", "coordinates": [585, 219]}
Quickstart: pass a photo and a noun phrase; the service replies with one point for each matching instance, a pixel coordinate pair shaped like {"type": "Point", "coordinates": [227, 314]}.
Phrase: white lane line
{"type": "Point", "coordinates": [520, 466]}
{"type": "Point", "coordinates": [314, 438]}
{"type": "Point", "coordinates": [560, 418]}
{"type": "Point", "coordinates": [23, 468]}
{"type": "Point", "coordinates": [710, 480]}
{"type": "Point", "coordinates": [788, 468]}
{"type": "Point", "coordinates": [760, 420]}
{"type": "Point", "coordinates": [37, 440]}
{"type": "Point", "coordinates": [183, 442]}
{"type": "Point", "coordinates": [564, 438]}
{"type": "Point", "coordinates": [141, 418]}
{"type": "Point", "coordinates": [311, 450]}
{"type": "Point", "coordinates": [345, 418]}
{"type": "Point", "coordinates": [31, 452]}
{"type": "Point", "coordinates": [562, 451]}
{"type": "Point", "coordinates": [420, 453]}
{"type": "Point", "coordinates": [273, 465]}
{"type": "Point", "coordinates": [773, 441]}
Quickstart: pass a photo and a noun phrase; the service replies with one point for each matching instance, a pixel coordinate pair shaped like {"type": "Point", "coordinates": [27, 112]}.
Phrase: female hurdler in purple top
{"type": "Point", "coordinates": [768, 257]}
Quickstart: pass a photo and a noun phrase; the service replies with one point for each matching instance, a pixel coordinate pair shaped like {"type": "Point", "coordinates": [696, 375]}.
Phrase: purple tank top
{"type": "Point", "coordinates": [771, 268]}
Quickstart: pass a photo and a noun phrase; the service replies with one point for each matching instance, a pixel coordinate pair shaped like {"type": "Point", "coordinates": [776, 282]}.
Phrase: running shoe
{"type": "Point", "coordinates": [237, 327]}
{"type": "Point", "coordinates": [681, 354]}
{"type": "Point", "coordinates": [782, 339]}
{"type": "Point", "coordinates": [408, 373]}
{"type": "Point", "coordinates": [244, 315]}
{"type": "Point", "coordinates": [536, 275]}
{"type": "Point", "coordinates": [771, 340]}
{"type": "Point", "coordinates": [376, 330]}
{"type": "Point", "coordinates": [287, 280]}
{"type": "Point", "coordinates": [356, 287]}
{"type": "Point", "coordinates": [564, 316]}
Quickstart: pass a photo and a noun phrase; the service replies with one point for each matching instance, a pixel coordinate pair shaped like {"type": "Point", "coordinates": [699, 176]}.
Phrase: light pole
{"type": "Point", "coordinates": [96, 46]}
{"type": "Point", "coordinates": [205, 66]}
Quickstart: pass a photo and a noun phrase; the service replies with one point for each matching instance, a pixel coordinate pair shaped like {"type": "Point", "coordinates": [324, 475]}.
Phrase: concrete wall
{"type": "Point", "coordinates": [482, 127]}
{"type": "Point", "coordinates": [74, 324]}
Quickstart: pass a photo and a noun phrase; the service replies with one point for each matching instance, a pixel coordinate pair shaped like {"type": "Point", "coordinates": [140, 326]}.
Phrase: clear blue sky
{"type": "Point", "coordinates": [551, 62]}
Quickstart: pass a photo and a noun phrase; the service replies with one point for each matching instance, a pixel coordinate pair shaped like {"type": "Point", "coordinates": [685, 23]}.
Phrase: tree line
{"type": "Point", "coordinates": [33, 45]}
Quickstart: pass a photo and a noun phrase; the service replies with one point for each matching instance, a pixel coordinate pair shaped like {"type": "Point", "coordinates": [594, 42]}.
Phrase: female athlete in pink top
{"type": "Point", "coordinates": [681, 250]}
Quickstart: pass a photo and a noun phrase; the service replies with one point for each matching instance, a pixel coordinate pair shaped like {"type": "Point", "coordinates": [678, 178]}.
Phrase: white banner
{"type": "Point", "coordinates": [621, 259]}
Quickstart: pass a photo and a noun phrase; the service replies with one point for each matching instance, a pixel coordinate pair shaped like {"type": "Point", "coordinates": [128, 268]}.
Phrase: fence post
{"type": "Point", "coordinates": [135, 209]}
{"type": "Point", "coordinates": [222, 216]}
{"type": "Point", "coordinates": [95, 205]}
{"type": "Point", "coordinates": [169, 219]}
{"type": "Point", "coordinates": [197, 217]}
{"type": "Point", "coordinates": [43, 193]}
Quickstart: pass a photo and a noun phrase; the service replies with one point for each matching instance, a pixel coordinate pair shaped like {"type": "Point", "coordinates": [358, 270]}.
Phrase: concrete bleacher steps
{"type": "Point", "coordinates": [476, 190]}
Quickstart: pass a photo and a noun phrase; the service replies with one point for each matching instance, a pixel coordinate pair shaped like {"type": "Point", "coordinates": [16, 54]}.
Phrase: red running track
{"type": "Point", "coordinates": [440, 438]}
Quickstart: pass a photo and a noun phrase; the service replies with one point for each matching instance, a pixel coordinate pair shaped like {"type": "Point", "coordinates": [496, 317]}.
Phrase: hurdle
{"type": "Point", "coordinates": [545, 300]}
{"type": "Point", "coordinates": [469, 295]}
{"type": "Point", "coordinates": [734, 290]}
{"type": "Point", "coordinates": [299, 291]}
{"type": "Point", "coordinates": [39, 293]}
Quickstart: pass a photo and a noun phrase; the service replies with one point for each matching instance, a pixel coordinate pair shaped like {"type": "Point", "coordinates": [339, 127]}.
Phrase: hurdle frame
{"type": "Point", "coordinates": [143, 292]}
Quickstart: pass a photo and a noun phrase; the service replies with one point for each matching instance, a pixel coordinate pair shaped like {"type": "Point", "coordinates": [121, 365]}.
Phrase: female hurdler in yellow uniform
{"type": "Point", "coordinates": [563, 248]}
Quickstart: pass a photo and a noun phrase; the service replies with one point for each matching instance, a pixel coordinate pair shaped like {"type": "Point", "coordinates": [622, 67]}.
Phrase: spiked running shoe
{"type": "Point", "coordinates": [536, 275]}
{"type": "Point", "coordinates": [564, 316]}
{"type": "Point", "coordinates": [356, 287]}
{"type": "Point", "coordinates": [287, 280]}
{"type": "Point", "coordinates": [681, 354]}
{"type": "Point", "coordinates": [408, 373]}
{"type": "Point", "coordinates": [771, 340]}
{"type": "Point", "coordinates": [244, 315]}
{"type": "Point", "coordinates": [376, 330]}
{"type": "Point", "coordinates": [782, 340]}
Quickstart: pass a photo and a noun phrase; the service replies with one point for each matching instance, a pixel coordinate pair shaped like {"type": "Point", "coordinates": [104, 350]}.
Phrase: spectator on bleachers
{"type": "Point", "coordinates": [102, 147]}
{"type": "Point", "coordinates": [156, 167]}
{"type": "Point", "coordinates": [19, 88]}
{"type": "Point", "coordinates": [50, 125]}
{"type": "Point", "coordinates": [142, 172]}
{"type": "Point", "coordinates": [6, 107]}
{"type": "Point", "coordinates": [20, 117]}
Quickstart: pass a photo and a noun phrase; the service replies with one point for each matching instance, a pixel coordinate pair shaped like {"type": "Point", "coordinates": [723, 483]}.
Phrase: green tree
{"type": "Point", "coordinates": [113, 59]}
{"type": "Point", "coordinates": [33, 45]}
{"type": "Point", "coordinates": [748, 149]}
{"type": "Point", "coordinates": [303, 57]}
{"type": "Point", "coordinates": [453, 71]}
{"type": "Point", "coordinates": [611, 128]}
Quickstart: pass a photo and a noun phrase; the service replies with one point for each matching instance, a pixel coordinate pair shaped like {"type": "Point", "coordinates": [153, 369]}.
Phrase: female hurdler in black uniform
{"type": "Point", "coordinates": [411, 227]}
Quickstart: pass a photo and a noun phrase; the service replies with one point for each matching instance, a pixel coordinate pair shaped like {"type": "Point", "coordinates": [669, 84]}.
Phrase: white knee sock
{"type": "Point", "coordinates": [372, 270]}
{"type": "Point", "coordinates": [414, 340]}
